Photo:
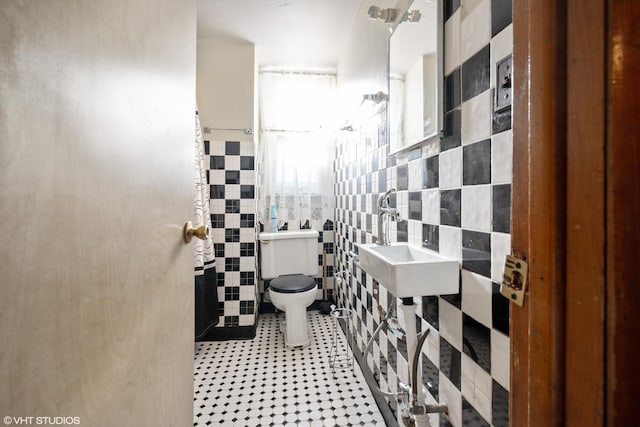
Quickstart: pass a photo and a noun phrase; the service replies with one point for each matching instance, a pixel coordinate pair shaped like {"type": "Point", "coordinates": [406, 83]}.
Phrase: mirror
{"type": "Point", "coordinates": [415, 75]}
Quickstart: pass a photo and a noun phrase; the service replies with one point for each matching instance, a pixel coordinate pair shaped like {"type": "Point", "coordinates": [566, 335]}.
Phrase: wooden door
{"type": "Point", "coordinates": [576, 204]}
{"type": "Point", "coordinates": [96, 166]}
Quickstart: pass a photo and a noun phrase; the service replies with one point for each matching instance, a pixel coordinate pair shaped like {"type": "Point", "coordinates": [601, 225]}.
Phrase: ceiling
{"type": "Point", "coordinates": [287, 33]}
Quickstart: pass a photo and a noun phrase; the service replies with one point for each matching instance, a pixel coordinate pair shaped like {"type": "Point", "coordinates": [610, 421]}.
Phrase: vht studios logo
{"type": "Point", "coordinates": [41, 421]}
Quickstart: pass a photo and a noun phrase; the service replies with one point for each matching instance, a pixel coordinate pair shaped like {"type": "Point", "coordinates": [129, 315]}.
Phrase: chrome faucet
{"type": "Point", "coordinates": [384, 213]}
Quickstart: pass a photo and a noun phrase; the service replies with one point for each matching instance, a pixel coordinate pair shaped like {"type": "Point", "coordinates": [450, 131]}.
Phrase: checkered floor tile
{"type": "Point", "coordinates": [259, 382]}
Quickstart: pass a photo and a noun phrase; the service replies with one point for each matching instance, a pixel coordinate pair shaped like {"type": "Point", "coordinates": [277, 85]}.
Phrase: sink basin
{"type": "Point", "coordinates": [409, 271]}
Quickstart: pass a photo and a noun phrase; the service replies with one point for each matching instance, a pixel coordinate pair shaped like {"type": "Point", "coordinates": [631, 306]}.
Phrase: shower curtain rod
{"type": "Point", "coordinates": [307, 72]}
{"type": "Point", "coordinates": [247, 131]}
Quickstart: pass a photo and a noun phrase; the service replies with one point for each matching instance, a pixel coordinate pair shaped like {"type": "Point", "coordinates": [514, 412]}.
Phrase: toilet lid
{"type": "Point", "coordinates": [292, 283]}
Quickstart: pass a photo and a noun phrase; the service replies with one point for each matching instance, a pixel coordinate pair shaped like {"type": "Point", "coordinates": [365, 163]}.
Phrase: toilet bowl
{"type": "Point", "coordinates": [287, 260]}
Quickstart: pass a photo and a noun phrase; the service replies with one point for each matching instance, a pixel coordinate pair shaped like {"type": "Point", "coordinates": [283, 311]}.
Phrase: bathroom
{"type": "Point", "coordinates": [96, 101]}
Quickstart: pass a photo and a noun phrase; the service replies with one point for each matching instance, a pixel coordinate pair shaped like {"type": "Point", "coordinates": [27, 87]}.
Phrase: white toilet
{"type": "Point", "coordinates": [288, 258]}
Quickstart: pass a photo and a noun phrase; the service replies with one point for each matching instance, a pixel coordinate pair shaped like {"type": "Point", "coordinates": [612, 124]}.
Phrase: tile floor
{"type": "Point", "coordinates": [259, 382]}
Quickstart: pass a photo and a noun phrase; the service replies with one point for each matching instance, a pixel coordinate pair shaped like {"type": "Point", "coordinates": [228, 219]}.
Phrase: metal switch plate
{"type": "Point", "coordinates": [503, 83]}
{"type": "Point", "coordinates": [514, 281]}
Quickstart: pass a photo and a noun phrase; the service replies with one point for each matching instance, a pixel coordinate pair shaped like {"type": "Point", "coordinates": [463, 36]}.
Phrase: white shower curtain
{"type": "Point", "coordinates": [206, 293]}
{"type": "Point", "coordinates": [297, 140]}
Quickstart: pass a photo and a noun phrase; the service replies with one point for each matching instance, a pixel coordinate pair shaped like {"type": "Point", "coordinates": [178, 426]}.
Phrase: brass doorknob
{"type": "Point", "coordinates": [201, 232]}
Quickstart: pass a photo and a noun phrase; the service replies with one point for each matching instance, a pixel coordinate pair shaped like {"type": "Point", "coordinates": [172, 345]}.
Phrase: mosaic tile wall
{"type": "Point", "coordinates": [231, 175]}
{"type": "Point", "coordinates": [453, 195]}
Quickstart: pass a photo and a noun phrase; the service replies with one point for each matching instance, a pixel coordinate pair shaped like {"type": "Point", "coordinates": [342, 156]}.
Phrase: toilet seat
{"type": "Point", "coordinates": [292, 284]}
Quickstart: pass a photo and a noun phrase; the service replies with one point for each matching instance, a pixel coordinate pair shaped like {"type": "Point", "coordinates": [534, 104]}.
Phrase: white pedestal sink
{"type": "Point", "coordinates": [409, 271]}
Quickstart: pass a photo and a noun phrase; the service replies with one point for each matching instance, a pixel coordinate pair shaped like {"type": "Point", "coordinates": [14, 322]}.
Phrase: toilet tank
{"type": "Point", "coordinates": [288, 252]}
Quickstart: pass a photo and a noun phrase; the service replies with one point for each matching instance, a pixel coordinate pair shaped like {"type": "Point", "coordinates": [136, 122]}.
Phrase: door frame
{"type": "Point", "coordinates": [576, 210]}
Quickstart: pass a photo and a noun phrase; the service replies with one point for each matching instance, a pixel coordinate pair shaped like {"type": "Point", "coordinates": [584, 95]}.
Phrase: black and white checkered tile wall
{"type": "Point", "coordinates": [231, 176]}
{"type": "Point", "coordinates": [454, 197]}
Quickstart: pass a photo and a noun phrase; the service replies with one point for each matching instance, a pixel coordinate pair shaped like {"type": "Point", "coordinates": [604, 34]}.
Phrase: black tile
{"type": "Point", "coordinates": [402, 347]}
{"type": "Point", "coordinates": [431, 172]}
{"type": "Point", "coordinates": [499, 405]}
{"type": "Point", "coordinates": [232, 206]}
{"type": "Point", "coordinates": [403, 177]}
{"type": "Point", "coordinates": [247, 163]}
{"type": "Point", "coordinates": [218, 250]}
{"type": "Point", "coordinates": [247, 249]}
{"type": "Point", "coordinates": [232, 177]}
{"type": "Point", "coordinates": [247, 220]}
{"type": "Point", "coordinates": [206, 147]}
{"type": "Point", "coordinates": [247, 191]}
{"type": "Point", "coordinates": [430, 310]}
{"type": "Point", "coordinates": [246, 307]}
{"type": "Point", "coordinates": [231, 321]}
{"type": "Point", "coordinates": [450, 7]}
{"type": "Point", "coordinates": [476, 342]}
{"type": "Point", "coordinates": [501, 121]}
{"type": "Point", "coordinates": [232, 264]}
{"type": "Point", "coordinates": [475, 74]}
{"type": "Point", "coordinates": [216, 191]}
{"type": "Point", "coordinates": [216, 162]}
{"type": "Point", "coordinates": [476, 252]}
{"type": "Point", "coordinates": [232, 148]}
{"type": "Point", "coordinates": [392, 356]}
{"type": "Point", "coordinates": [476, 163]}
{"type": "Point", "coordinates": [450, 207]}
{"type": "Point", "coordinates": [471, 417]}
{"type": "Point", "coordinates": [247, 278]}
{"type": "Point", "coordinates": [430, 376]}
{"type": "Point", "coordinates": [450, 363]}
{"type": "Point", "coordinates": [452, 131]}
{"type": "Point", "coordinates": [382, 180]}
{"type": "Point", "coordinates": [501, 196]}
{"type": "Point", "coordinates": [403, 234]}
{"type": "Point", "coordinates": [232, 235]}
{"type": "Point", "coordinates": [414, 154]}
{"type": "Point", "coordinates": [499, 310]}
{"type": "Point", "coordinates": [415, 205]}
{"type": "Point", "coordinates": [501, 15]}
{"type": "Point", "coordinates": [452, 90]}
{"type": "Point", "coordinates": [220, 279]}
{"type": "Point", "coordinates": [217, 220]}
{"type": "Point", "coordinates": [431, 237]}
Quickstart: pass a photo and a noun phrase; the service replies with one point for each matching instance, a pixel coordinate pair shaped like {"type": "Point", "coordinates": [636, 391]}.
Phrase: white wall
{"type": "Point", "coordinates": [225, 82]}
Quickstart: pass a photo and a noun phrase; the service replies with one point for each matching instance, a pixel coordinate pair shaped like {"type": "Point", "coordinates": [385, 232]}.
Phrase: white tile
{"type": "Point", "coordinates": [501, 157]}
{"type": "Point", "coordinates": [431, 347]}
{"type": "Point", "coordinates": [467, 6]}
{"type": "Point", "coordinates": [415, 175]}
{"type": "Point", "coordinates": [451, 242]}
{"type": "Point", "coordinates": [216, 148]}
{"type": "Point", "coordinates": [216, 176]}
{"type": "Point", "coordinates": [232, 163]}
{"type": "Point", "coordinates": [431, 206]}
{"type": "Point", "coordinates": [449, 394]}
{"type": "Point", "coordinates": [483, 405]}
{"type": "Point", "coordinates": [468, 386]}
{"type": "Point", "coordinates": [500, 358]}
{"type": "Point", "coordinates": [452, 43]}
{"type": "Point", "coordinates": [247, 177]}
{"type": "Point", "coordinates": [476, 297]}
{"type": "Point", "coordinates": [451, 324]}
{"type": "Point", "coordinates": [476, 118]}
{"type": "Point", "coordinates": [500, 247]}
{"type": "Point", "coordinates": [450, 168]}
{"type": "Point", "coordinates": [501, 47]}
{"type": "Point", "coordinates": [483, 382]}
{"type": "Point", "coordinates": [431, 148]}
{"type": "Point", "coordinates": [475, 29]}
{"type": "Point", "coordinates": [476, 207]}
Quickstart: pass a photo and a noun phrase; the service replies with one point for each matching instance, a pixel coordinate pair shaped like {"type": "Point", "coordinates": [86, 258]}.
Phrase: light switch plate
{"type": "Point", "coordinates": [504, 70]}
